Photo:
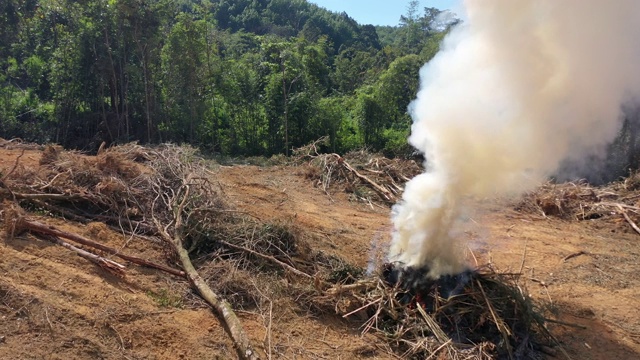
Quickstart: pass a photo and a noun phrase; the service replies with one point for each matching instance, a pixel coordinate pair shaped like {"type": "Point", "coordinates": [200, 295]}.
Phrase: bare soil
{"type": "Point", "coordinates": [56, 305]}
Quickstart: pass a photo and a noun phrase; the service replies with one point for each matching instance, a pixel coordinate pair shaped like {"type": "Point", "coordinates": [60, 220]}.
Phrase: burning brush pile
{"type": "Point", "coordinates": [476, 314]}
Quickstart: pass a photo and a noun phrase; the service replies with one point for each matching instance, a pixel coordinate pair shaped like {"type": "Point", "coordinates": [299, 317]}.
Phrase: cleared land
{"type": "Point", "coordinates": [55, 304]}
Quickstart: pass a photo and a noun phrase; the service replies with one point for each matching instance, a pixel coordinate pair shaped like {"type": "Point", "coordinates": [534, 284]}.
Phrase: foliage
{"type": "Point", "coordinates": [237, 78]}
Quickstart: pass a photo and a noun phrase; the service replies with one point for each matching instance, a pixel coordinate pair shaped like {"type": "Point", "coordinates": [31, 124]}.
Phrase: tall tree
{"type": "Point", "coordinates": [183, 69]}
{"type": "Point", "coordinates": [239, 77]}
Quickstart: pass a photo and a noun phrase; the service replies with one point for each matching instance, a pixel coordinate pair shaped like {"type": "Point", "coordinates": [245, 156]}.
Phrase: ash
{"type": "Point", "coordinates": [416, 282]}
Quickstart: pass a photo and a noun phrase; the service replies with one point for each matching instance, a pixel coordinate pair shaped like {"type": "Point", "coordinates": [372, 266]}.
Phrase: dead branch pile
{"type": "Point", "coordinates": [491, 318]}
{"type": "Point", "coordinates": [581, 201]}
{"type": "Point", "coordinates": [111, 187]}
{"type": "Point", "coordinates": [170, 195]}
{"type": "Point", "coordinates": [17, 143]}
{"type": "Point", "coordinates": [365, 175]}
{"type": "Point", "coordinates": [136, 190]}
{"type": "Point", "coordinates": [167, 192]}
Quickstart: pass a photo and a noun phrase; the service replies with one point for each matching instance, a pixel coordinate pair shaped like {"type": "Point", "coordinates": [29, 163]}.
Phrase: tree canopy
{"type": "Point", "coordinates": [241, 77]}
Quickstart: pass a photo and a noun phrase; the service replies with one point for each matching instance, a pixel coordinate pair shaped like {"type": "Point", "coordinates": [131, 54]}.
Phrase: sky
{"type": "Point", "coordinates": [380, 12]}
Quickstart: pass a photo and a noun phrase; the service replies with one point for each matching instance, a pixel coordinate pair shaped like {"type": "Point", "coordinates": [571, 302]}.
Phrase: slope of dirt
{"type": "Point", "coordinates": [340, 225]}
{"type": "Point", "coordinates": [597, 290]}
{"type": "Point", "coordinates": [586, 272]}
{"type": "Point", "coordinates": [54, 304]}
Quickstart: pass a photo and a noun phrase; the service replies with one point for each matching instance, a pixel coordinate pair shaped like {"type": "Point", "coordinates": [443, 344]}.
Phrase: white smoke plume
{"type": "Point", "coordinates": [517, 88]}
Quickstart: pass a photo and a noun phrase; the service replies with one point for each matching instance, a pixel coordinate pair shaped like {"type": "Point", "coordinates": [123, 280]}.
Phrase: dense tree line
{"type": "Point", "coordinates": [250, 77]}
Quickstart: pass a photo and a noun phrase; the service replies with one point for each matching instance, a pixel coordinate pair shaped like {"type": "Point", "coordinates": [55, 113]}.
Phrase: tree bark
{"type": "Point", "coordinates": [222, 307]}
{"type": "Point", "coordinates": [107, 264]}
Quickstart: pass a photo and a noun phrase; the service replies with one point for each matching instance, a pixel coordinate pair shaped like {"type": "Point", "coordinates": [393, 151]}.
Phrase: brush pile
{"type": "Point", "coordinates": [165, 195]}
{"type": "Point", "coordinates": [113, 187]}
{"type": "Point", "coordinates": [137, 190]}
{"type": "Point", "coordinates": [476, 315]}
{"type": "Point", "coordinates": [581, 201]}
{"type": "Point", "coordinates": [368, 177]}
{"type": "Point", "coordinates": [134, 189]}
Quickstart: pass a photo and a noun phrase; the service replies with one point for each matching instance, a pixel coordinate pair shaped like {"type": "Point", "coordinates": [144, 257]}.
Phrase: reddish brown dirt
{"type": "Point", "coordinates": [596, 287]}
{"type": "Point", "coordinates": [56, 305]}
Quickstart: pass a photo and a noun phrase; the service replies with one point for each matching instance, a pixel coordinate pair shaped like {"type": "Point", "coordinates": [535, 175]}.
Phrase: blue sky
{"type": "Point", "coordinates": [380, 12]}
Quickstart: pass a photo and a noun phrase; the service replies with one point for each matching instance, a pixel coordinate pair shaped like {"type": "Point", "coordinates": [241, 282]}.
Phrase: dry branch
{"type": "Point", "coordinates": [576, 254]}
{"type": "Point", "coordinates": [107, 264]}
{"type": "Point", "coordinates": [358, 286]}
{"type": "Point", "coordinates": [135, 228]}
{"type": "Point", "coordinates": [57, 197]}
{"type": "Point", "coordinates": [379, 189]}
{"type": "Point", "coordinates": [267, 257]}
{"type": "Point", "coordinates": [384, 177]}
{"type": "Point", "coordinates": [223, 308]}
{"type": "Point", "coordinates": [498, 321]}
{"type": "Point", "coordinates": [626, 217]}
{"type": "Point", "coordinates": [433, 326]}
{"type": "Point", "coordinates": [22, 223]}
{"type": "Point", "coordinates": [15, 165]}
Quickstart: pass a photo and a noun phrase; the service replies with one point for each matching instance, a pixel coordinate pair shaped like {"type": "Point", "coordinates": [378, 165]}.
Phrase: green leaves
{"type": "Point", "coordinates": [246, 77]}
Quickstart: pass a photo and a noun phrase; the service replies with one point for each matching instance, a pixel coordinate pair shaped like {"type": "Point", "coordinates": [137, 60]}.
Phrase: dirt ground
{"type": "Point", "coordinates": [56, 305]}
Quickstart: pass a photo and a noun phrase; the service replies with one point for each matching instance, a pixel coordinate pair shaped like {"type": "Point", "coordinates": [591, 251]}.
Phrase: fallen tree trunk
{"type": "Point", "coordinates": [221, 307]}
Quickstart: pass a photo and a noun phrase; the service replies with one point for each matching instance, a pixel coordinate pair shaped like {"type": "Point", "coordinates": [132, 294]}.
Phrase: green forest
{"type": "Point", "coordinates": [232, 77]}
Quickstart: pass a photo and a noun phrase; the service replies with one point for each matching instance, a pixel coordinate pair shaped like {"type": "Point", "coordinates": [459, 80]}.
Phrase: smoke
{"type": "Point", "coordinates": [517, 88]}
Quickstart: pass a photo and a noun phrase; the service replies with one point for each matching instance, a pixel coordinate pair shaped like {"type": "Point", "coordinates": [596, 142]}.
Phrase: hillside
{"type": "Point", "coordinates": [55, 304]}
{"type": "Point", "coordinates": [250, 77]}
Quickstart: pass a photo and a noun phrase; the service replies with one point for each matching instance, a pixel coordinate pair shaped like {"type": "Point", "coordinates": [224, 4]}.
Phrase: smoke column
{"type": "Point", "coordinates": [517, 88]}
